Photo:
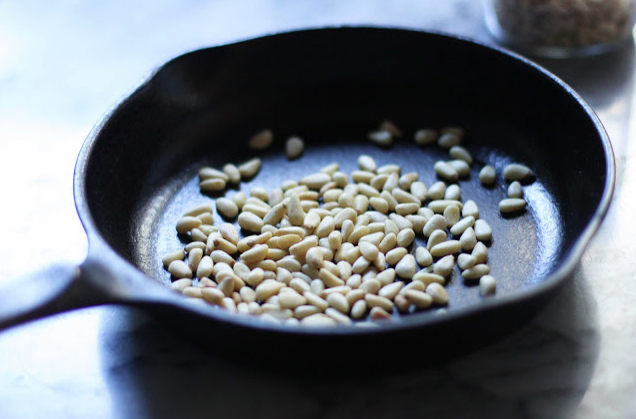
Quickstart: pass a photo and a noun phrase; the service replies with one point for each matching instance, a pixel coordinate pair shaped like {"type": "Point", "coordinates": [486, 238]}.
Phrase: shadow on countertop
{"type": "Point", "coordinates": [541, 370]}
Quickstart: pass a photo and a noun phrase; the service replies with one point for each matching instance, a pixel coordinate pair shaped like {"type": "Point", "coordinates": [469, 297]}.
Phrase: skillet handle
{"type": "Point", "coordinates": [52, 290]}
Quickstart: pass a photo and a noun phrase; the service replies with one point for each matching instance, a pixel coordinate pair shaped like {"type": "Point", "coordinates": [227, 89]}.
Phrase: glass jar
{"type": "Point", "coordinates": [560, 28]}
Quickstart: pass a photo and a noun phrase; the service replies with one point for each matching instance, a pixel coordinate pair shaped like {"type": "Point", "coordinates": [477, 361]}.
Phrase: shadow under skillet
{"type": "Point", "coordinates": [541, 370]}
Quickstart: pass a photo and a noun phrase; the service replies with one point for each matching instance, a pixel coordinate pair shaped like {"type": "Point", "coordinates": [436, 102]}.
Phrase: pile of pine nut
{"type": "Point", "coordinates": [339, 249]}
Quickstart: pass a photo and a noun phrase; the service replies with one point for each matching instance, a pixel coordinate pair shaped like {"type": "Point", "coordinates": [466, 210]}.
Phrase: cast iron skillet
{"type": "Point", "coordinates": [136, 174]}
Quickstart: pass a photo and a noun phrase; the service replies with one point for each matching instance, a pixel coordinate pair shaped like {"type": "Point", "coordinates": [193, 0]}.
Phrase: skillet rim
{"type": "Point", "coordinates": [100, 251]}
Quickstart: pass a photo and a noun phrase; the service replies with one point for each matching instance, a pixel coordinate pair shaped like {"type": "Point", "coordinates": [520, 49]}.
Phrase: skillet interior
{"type": "Point", "coordinates": [331, 87]}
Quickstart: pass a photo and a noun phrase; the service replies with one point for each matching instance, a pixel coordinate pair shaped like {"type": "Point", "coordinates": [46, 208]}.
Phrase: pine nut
{"type": "Point", "coordinates": [466, 261]}
{"type": "Point", "coordinates": [517, 172]}
{"type": "Point", "coordinates": [437, 191]}
{"type": "Point", "coordinates": [395, 255]}
{"type": "Point", "coordinates": [444, 266]}
{"type": "Point", "coordinates": [381, 137]}
{"type": "Point", "coordinates": [212, 185]}
{"type": "Point", "coordinates": [176, 255]}
{"type": "Point", "coordinates": [452, 215]}
{"type": "Point", "coordinates": [390, 227]}
{"type": "Point", "coordinates": [419, 191]}
{"type": "Point", "coordinates": [187, 223]}
{"type": "Point", "coordinates": [476, 272]}
{"type": "Point", "coordinates": [468, 239]}
{"type": "Point", "coordinates": [378, 313]}
{"type": "Point", "coordinates": [405, 237]}
{"type": "Point", "coordinates": [359, 309]}
{"type": "Point", "coordinates": [487, 175]}
{"type": "Point", "coordinates": [386, 277]}
{"type": "Point", "coordinates": [303, 311]}
{"type": "Point", "coordinates": [291, 299]}
{"type": "Point", "coordinates": [453, 192]}
{"type": "Point", "coordinates": [261, 140]}
{"type": "Point", "coordinates": [436, 222]}
{"type": "Point", "coordinates": [437, 293]}
{"type": "Point", "coordinates": [211, 173]}
{"type": "Point", "coordinates": [267, 289]}
{"type": "Point", "coordinates": [428, 277]}
{"type": "Point", "coordinates": [212, 295]}
{"type": "Point", "coordinates": [339, 302]}
{"type": "Point", "coordinates": [391, 290]}
{"type": "Point", "coordinates": [371, 286]}
{"type": "Point", "coordinates": [515, 190]}
{"type": "Point", "coordinates": [406, 267]}
{"type": "Point", "coordinates": [180, 284]}
{"type": "Point", "coordinates": [239, 199]}
{"type": "Point", "coordinates": [390, 200]}
{"type": "Point", "coordinates": [511, 205]}
{"type": "Point", "coordinates": [445, 171]}
{"type": "Point", "coordinates": [198, 235]}
{"type": "Point", "coordinates": [358, 233]}
{"type": "Point", "coordinates": [250, 168]}
{"type": "Point", "coordinates": [401, 222]}
{"type": "Point", "coordinates": [480, 252]}
{"type": "Point", "coordinates": [315, 257]}
{"type": "Point", "coordinates": [361, 204]}
{"type": "Point", "coordinates": [460, 153]}
{"type": "Point", "coordinates": [462, 225]}
{"type": "Point", "coordinates": [425, 136]}
{"type": "Point", "coordinates": [461, 167]}
{"type": "Point", "coordinates": [448, 140]}
{"type": "Point", "coordinates": [423, 256]}
{"type": "Point", "coordinates": [294, 147]}
{"type": "Point", "coordinates": [378, 181]}
{"type": "Point", "coordinates": [377, 301]}
{"type": "Point", "coordinates": [419, 299]}
{"type": "Point", "coordinates": [487, 285]}
{"type": "Point", "coordinates": [413, 285]}
{"type": "Point", "coordinates": [179, 269]}
{"type": "Point", "coordinates": [406, 209]}
{"type": "Point", "coordinates": [250, 222]}
{"type": "Point", "coordinates": [470, 209]}
{"type": "Point", "coordinates": [483, 231]}
{"type": "Point", "coordinates": [438, 206]}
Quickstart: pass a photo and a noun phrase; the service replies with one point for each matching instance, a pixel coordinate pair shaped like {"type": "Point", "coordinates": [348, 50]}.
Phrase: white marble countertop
{"type": "Point", "coordinates": [63, 64]}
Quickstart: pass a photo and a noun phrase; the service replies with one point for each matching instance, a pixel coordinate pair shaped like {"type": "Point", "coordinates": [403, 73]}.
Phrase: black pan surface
{"type": "Point", "coordinates": [136, 174]}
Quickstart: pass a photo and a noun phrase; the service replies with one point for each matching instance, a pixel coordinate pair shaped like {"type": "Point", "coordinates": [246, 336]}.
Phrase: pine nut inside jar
{"type": "Point", "coordinates": [560, 28]}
